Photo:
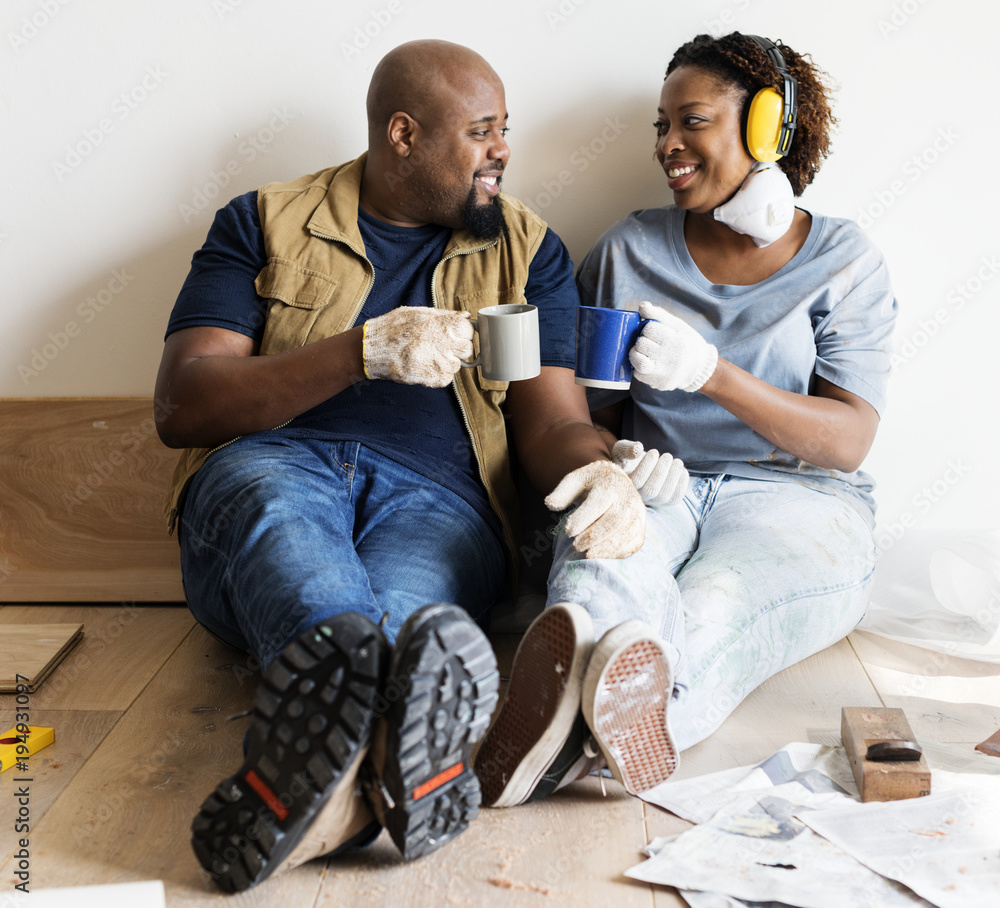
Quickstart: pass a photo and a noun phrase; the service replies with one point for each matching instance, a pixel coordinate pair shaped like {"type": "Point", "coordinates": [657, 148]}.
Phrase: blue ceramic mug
{"type": "Point", "coordinates": [604, 338]}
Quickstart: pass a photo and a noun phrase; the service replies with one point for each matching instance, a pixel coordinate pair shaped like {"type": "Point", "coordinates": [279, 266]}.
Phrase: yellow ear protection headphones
{"type": "Point", "coordinates": [772, 115]}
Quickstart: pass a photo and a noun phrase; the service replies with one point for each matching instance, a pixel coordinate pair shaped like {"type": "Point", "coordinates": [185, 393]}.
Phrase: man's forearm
{"type": "Point", "coordinates": [551, 455]}
{"type": "Point", "coordinates": [219, 397]}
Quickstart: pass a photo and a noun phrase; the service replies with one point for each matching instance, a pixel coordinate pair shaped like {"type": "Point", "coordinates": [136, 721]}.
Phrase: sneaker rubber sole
{"type": "Point", "coordinates": [295, 796]}
{"type": "Point", "coordinates": [626, 692]}
{"type": "Point", "coordinates": [540, 708]}
{"type": "Point", "coordinates": [439, 694]}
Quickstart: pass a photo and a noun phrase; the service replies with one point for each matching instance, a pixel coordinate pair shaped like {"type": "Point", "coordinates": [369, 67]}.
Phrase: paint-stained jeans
{"type": "Point", "coordinates": [743, 578]}
{"type": "Point", "coordinates": [278, 534]}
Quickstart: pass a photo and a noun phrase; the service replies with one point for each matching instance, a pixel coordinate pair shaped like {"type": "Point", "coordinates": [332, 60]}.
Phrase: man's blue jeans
{"type": "Point", "coordinates": [742, 578]}
{"type": "Point", "coordinates": [278, 534]}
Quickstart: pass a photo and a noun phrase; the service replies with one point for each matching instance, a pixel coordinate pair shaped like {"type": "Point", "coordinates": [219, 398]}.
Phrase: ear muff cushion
{"type": "Point", "coordinates": [764, 125]}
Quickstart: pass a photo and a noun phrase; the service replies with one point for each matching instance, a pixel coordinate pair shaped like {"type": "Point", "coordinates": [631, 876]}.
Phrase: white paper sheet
{"type": "Point", "coordinates": [813, 774]}
{"type": "Point", "coordinates": [764, 853]}
{"type": "Point", "coordinates": [757, 840]}
{"type": "Point", "coordinates": [945, 846]}
{"type": "Point", "coordinates": [717, 900]}
{"type": "Point", "coordinates": [116, 895]}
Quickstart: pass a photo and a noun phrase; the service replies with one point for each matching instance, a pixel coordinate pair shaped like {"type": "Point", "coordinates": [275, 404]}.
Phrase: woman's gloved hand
{"type": "Point", "coordinates": [610, 520]}
{"type": "Point", "coordinates": [415, 345]}
{"type": "Point", "coordinates": [670, 354]}
{"type": "Point", "coordinates": [660, 478]}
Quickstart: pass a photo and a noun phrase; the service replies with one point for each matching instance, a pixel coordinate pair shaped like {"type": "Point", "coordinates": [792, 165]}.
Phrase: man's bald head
{"type": "Point", "coordinates": [437, 120]}
{"type": "Point", "coordinates": [421, 78]}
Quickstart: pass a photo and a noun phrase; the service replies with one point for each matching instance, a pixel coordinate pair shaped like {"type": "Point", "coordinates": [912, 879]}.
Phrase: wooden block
{"type": "Point", "coordinates": [921, 682]}
{"type": "Point", "coordinates": [81, 490]}
{"type": "Point", "coordinates": [991, 746]}
{"type": "Point", "coordinates": [860, 728]}
{"type": "Point", "coordinates": [31, 651]}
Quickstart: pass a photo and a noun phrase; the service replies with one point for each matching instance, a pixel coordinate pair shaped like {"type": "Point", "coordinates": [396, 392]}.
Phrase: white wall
{"type": "Point", "coordinates": [125, 125]}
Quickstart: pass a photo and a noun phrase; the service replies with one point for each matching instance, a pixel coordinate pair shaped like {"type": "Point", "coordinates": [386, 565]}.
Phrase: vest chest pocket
{"type": "Point", "coordinates": [298, 297]}
{"type": "Point", "coordinates": [295, 286]}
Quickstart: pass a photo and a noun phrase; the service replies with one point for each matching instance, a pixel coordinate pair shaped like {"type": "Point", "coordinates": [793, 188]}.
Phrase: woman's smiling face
{"type": "Point", "coordinates": [699, 142]}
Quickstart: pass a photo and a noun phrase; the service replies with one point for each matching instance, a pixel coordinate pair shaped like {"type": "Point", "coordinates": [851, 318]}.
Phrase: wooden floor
{"type": "Point", "coordinates": [140, 709]}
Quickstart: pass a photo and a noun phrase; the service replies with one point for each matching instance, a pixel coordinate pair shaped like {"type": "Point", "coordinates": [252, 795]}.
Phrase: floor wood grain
{"type": "Point", "coordinates": [123, 646]}
{"type": "Point", "coordinates": [144, 734]}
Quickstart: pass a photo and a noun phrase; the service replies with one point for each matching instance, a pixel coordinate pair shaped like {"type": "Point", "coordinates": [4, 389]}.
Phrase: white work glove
{"type": "Point", "coordinates": [660, 478]}
{"type": "Point", "coordinates": [610, 521]}
{"type": "Point", "coordinates": [415, 345]}
{"type": "Point", "coordinates": [670, 354]}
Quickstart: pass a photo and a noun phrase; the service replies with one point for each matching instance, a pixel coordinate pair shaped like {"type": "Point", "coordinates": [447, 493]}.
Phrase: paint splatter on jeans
{"type": "Point", "coordinates": [742, 579]}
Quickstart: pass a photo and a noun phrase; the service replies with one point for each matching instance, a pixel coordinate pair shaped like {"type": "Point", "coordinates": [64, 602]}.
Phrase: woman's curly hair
{"type": "Point", "coordinates": [742, 63]}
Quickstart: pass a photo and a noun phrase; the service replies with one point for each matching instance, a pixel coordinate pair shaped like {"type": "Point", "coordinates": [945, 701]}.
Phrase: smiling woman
{"type": "Point", "coordinates": [784, 317]}
{"type": "Point", "coordinates": [761, 369]}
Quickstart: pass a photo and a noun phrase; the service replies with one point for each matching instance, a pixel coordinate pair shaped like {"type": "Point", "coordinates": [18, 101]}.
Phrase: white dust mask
{"type": "Point", "coordinates": [762, 208]}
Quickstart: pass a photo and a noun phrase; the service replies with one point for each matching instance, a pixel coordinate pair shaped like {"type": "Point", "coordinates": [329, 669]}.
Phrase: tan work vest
{"type": "Point", "coordinates": [317, 279]}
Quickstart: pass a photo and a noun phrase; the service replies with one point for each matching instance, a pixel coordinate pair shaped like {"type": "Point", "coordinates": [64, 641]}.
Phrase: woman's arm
{"type": "Point", "coordinates": [830, 428]}
{"type": "Point", "coordinates": [833, 429]}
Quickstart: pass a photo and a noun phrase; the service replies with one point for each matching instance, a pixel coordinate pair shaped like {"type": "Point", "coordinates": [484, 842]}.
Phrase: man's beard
{"type": "Point", "coordinates": [484, 222]}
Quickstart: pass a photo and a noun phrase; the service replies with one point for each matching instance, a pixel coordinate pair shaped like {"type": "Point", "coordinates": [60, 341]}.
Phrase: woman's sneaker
{"type": "Point", "coordinates": [536, 743]}
{"type": "Point", "coordinates": [296, 796]}
{"type": "Point", "coordinates": [625, 695]}
{"type": "Point", "coordinates": [437, 699]}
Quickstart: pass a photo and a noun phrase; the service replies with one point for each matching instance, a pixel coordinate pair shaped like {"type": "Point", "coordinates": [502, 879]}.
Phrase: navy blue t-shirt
{"type": "Point", "coordinates": [421, 428]}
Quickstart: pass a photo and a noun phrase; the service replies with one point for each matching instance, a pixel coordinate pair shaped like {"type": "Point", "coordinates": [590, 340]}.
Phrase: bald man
{"type": "Point", "coordinates": [344, 479]}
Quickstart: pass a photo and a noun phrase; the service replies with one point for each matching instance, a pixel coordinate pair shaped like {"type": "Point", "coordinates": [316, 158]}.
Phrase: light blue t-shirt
{"type": "Point", "coordinates": [828, 312]}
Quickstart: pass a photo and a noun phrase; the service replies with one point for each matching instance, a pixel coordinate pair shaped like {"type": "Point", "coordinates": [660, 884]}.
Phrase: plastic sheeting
{"type": "Point", "coordinates": [939, 590]}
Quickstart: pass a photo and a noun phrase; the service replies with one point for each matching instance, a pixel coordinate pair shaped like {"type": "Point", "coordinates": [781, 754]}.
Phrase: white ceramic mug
{"type": "Point", "coordinates": [508, 342]}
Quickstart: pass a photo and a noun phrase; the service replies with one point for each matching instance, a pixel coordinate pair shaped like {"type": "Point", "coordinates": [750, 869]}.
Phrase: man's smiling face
{"type": "Point", "coordinates": [459, 155]}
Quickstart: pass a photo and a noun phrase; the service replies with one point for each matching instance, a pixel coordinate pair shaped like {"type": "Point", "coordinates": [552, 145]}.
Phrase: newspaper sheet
{"type": "Point", "coordinates": [945, 846]}
{"type": "Point", "coordinates": [763, 852]}
{"type": "Point", "coordinates": [757, 842]}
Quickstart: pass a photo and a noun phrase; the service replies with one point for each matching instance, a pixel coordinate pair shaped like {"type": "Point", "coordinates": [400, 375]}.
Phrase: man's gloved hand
{"type": "Point", "coordinates": [660, 478]}
{"type": "Point", "coordinates": [415, 345]}
{"type": "Point", "coordinates": [670, 354]}
{"type": "Point", "coordinates": [610, 521]}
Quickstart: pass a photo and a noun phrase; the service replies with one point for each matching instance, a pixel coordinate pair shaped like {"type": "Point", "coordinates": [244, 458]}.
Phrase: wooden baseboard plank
{"type": "Point", "coordinates": [81, 489]}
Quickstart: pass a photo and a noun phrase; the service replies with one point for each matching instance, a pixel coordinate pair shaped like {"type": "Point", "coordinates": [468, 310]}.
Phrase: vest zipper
{"type": "Point", "coordinates": [368, 267]}
{"type": "Point", "coordinates": [176, 509]}
{"type": "Point", "coordinates": [508, 533]}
